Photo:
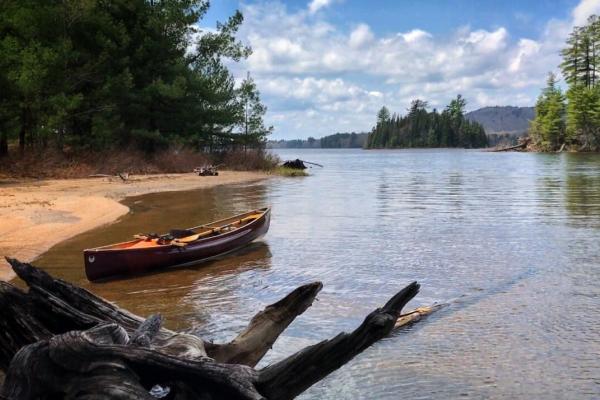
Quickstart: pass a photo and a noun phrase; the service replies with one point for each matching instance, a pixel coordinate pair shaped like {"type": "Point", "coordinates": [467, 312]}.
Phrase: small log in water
{"type": "Point", "coordinates": [523, 142]}
{"type": "Point", "coordinates": [60, 341]}
{"type": "Point", "coordinates": [510, 148]}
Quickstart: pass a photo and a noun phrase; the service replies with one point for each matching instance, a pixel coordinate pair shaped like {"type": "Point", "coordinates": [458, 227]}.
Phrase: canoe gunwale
{"type": "Point", "coordinates": [111, 247]}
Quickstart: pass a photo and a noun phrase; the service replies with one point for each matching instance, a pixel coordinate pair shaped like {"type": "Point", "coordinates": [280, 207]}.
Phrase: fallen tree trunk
{"type": "Point", "coordinates": [510, 148]}
{"type": "Point", "coordinates": [522, 143]}
{"type": "Point", "coordinates": [61, 341]}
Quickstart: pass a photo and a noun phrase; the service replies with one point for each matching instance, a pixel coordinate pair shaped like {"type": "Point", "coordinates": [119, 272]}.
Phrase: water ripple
{"type": "Point", "coordinates": [512, 240]}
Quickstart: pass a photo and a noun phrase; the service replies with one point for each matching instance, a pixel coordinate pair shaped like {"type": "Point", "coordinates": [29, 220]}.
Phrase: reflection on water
{"type": "Point", "coordinates": [173, 294]}
{"type": "Point", "coordinates": [510, 239]}
{"type": "Point", "coordinates": [582, 183]}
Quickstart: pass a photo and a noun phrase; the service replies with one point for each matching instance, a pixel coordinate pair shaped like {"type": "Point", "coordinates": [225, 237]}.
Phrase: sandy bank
{"type": "Point", "coordinates": [35, 215]}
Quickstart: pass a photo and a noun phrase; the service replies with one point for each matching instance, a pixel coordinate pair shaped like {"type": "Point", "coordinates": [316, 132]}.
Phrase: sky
{"type": "Point", "coordinates": [327, 66]}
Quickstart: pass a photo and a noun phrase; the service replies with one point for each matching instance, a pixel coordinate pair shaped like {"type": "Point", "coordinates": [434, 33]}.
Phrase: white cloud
{"type": "Point", "coordinates": [361, 36]}
{"type": "Point", "coordinates": [584, 9]}
{"type": "Point", "coordinates": [487, 42]}
{"type": "Point", "coordinates": [527, 51]}
{"type": "Point", "coordinates": [415, 35]}
{"type": "Point", "coordinates": [324, 78]}
{"type": "Point", "coordinates": [316, 5]}
{"type": "Point", "coordinates": [316, 91]}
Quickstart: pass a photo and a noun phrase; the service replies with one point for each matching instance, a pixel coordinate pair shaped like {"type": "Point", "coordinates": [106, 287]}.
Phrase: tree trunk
{"type": "Point", "coordinates": [64, 342]}
{"type": "Point", "coordinates": [3, 144]}
{"type": "Point", "coordinates": [23, 130]}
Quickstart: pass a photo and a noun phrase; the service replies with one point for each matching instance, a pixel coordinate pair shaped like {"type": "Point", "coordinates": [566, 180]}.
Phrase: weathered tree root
{"type": "Point", "coordinates": [61, 341]}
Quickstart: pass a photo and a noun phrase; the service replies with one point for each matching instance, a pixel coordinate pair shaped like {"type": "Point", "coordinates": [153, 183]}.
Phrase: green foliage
{"type": "Point", "coordinates": [94, 73]}
{"type": "Point", "coordinates": [343, 140]}
{"type": "Point", "coordinates": [578, 121]}
{"type": "Point", "coordinates": [148, 141]}
{"type": "Point", "coordinates": [420, 128]}
{"type": "Point", "coordinates": [383, 115]}
{"type": "Point", "coordinates": [583, 115]}
{"type": "Point", "coordinates": [548, 126]}
{"type": "Point", "coordinates": [252, 128]}
{"type": "Point", "coordinates": [290, 172]}
{"type": "Point", "coordinates": [581, 57]}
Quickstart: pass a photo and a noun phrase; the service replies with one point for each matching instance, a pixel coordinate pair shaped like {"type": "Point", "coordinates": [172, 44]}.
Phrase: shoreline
{"type": "Point", "coordinates": [36, 215]}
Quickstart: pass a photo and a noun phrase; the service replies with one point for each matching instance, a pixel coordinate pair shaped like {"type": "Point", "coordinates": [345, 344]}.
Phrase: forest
{"type": "Point", "coordinates": [572, 119]}
{"type": "Point", "coordinates": [422, 128]}
{"type": "Point", "coordinates": [338, 140]}
{"type": "Point", "coordinates": [98, 75]}
{"type": "Point", "coordinates": [343, 140]}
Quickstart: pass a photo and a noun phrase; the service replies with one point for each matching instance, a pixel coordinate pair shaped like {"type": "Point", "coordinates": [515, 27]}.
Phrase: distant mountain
{"type": "Point", "coordinates": [502, 120]}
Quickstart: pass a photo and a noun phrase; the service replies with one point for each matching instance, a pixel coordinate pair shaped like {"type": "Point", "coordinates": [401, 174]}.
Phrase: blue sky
{"type": "Point", "coordinates": [326, 66]}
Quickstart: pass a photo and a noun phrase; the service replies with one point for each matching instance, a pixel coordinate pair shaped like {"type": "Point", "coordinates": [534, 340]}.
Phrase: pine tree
{"type": "Point", "coordinates": [572, 57]}
{"type": "Point", "coordinates": [581, 57]}
{"type": "Point", "coordinates": [383, 115]}
{"type": "Point", "coordinates": [93, 74]}
{"type": "Point", "coordinates": [583, 110]}
{"type": "Point", "coordinates": [548, 126]}
{"type": "Point", "coordinates": [252, 112]}
{"type": "Point", "coordinates": [420, 128]}
{"type": "Point", "coordinates": [581, 60]}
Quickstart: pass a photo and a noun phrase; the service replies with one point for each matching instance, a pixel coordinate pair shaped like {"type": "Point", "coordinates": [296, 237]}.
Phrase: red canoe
{"type": "Point", "coordinates": [178, 248]}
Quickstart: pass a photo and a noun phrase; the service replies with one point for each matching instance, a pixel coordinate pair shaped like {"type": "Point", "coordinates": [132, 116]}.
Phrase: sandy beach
{"type": "Point", "coordinates": [35, 215]}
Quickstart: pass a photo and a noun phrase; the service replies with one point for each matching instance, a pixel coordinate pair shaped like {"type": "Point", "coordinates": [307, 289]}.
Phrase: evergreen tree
{"type": "Point", "coordinates": [572, 61]}
{"type": "Point", "coordinates": [420, 128]}
{"type": "Point", "coordinates": [577, 122]}
{"type": "Point", "coordinates": [581, 57]}
{"type": "Point", "coordinates": [251, 114]}
{"type": "Point", "coordinates": [548, 126]}
{"type": "Point", "coordinates": [583, 110]}
{"type": "Point", "coordinates": [383, 115]}
{"type": "Point", "coordinates": [96, 74]}
{"type": "Point", "coordinates": [456, 113]}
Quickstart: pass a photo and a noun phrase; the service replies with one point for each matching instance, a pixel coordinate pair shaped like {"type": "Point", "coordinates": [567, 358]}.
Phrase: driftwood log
{"type": "Point", "coordinates": [60, 341]}
{"type": "Point", "coordinates": [207, 170]}
{"type": "Point", "coordinates": [295, 164]}
{"type": "Point", "coordinates": [522, 144]}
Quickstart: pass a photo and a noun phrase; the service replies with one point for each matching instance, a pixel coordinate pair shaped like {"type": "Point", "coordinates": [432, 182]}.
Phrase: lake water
{"type": "Point", "coordinates": [511, 241]}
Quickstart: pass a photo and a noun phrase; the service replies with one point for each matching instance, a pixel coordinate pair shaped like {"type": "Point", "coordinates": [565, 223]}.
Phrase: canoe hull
{"type": "Point", "coordinates": [103, 264]}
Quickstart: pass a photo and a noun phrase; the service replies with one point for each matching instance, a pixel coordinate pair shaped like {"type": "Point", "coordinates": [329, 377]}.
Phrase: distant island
{"type": "Point", "coordinates": [503, 125]}
{"type": "Point", "coordinates": [350, 140]}
{"type": "Point", "coordinates": [421, 128]}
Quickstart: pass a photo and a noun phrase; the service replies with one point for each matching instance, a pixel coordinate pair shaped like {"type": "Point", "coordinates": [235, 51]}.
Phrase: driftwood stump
{"type": "Point", "coordinates": [294, 164]}
{"type": "Point", "coordinates": [60, 341]}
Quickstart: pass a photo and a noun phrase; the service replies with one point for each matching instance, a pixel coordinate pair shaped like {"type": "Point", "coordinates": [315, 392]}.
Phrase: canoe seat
{"type": "Point", "coordinates": [195, 236]}
{"type": "Point", "coordinates": [181, 233]}
{"type": "Point", "coordinates": [251, 217]}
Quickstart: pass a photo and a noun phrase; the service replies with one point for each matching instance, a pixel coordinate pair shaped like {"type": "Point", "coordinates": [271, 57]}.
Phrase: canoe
{"type": "Point", "coordinates": [151, 252]}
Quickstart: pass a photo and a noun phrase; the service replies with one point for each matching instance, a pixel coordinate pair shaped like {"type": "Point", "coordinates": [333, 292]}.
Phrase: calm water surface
{"type": "Point", "coordinates": [511, 241]}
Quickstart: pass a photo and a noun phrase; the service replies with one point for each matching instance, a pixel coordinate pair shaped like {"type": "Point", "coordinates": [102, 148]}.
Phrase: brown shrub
{"type": "Point", "coordinates": [52, 163]}
{"type": "Point", "coordinates": [252, 160]}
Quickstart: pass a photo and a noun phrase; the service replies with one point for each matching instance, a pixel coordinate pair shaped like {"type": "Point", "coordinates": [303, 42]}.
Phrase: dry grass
{"type": "Point", "coordinates": [285, 171]}
{"type": "Point", "coordinates": [55, 164]}
{"type": "Point", "coordinates": [249, 160]}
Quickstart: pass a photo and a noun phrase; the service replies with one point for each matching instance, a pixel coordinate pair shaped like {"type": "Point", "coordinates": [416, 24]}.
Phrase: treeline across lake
{"type": "Point", "coordinates": [422, 128]}
{"type": "Point", "coordinates": [96, 75]}
{"type": "Point", "coordinates": [336, 141]}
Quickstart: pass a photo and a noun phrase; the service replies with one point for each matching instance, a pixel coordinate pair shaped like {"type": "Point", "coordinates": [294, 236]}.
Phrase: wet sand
{"type": "Point", "coordinates": [35, 215]}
